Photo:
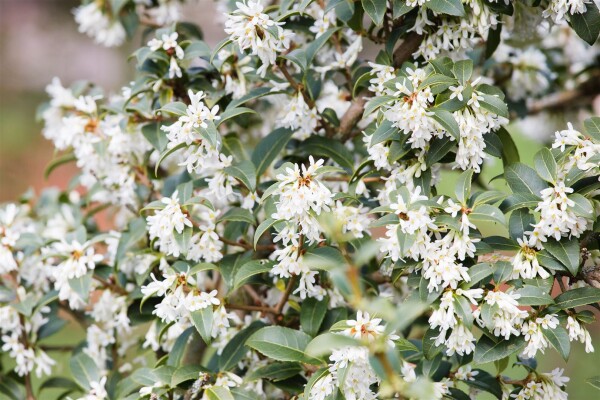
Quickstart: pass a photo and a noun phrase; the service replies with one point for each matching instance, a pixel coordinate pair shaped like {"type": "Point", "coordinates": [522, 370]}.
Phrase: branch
{"type": "Point", "coordinates": [286, 295]}
{"type": "Point", "coordinates": [354, 113]}
{"type": "Point", "coordinates": [569, 99]}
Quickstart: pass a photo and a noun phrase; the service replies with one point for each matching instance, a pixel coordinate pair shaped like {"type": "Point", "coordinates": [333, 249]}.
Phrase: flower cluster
{"type": "Point", "coordinates": [252, 29]}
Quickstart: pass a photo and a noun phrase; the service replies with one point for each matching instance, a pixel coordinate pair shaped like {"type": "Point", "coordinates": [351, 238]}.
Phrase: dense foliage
{"type": "Point", "coordinates": [266, 219]}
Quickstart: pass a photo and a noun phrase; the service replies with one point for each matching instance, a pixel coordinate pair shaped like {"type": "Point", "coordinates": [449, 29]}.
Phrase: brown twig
{"type": "Point", "coordinates": [581, 96]}
{"type": "Point", "coordinates": [247, 246]}
{"type": "Point", "coordinates": [245, 307]}
{"type": "Point", "coordinates": [354, 113]}
{"type": "Point", "coordinates": [286, 294]}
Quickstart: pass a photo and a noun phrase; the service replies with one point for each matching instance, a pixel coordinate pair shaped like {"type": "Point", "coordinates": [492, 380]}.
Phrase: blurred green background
{"type": "Point", "coordinates": [39, 40]}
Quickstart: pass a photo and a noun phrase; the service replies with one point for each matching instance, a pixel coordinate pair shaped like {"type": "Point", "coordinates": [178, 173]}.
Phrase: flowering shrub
{"type": "Point", "coordinates": [277, 220]}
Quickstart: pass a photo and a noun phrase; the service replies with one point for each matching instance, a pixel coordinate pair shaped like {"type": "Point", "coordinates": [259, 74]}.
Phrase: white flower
{"type": "Point", "coordinates": [363, 327]}
{"type": "Point", "coordinates": [93, 22]}
{"type": "Point", "coordinates": [165, 222]}
{"type": "Point", "coordinates": [252, 29]}
{"type": "Point", "coordinates": [197, 302]}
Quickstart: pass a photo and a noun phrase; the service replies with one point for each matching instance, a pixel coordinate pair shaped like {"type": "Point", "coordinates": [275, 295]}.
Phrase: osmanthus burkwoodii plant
{"type": "Point", "coordinates": [328, 204]}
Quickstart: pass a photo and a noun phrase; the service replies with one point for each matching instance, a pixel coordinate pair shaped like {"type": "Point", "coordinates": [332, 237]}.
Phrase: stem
{"type": "Point", "coordinates": [245, 307]}
{"type": "Point", "coordinates": [354, 113]}
{"type": "Point", "coordinates": [28, 387]}
{"type": "Point", "coordinates": [113, 287]}
{"type": "Point", "coordinates": [286, 294]}
{"type": "Point", "coordinates": [247, 246]}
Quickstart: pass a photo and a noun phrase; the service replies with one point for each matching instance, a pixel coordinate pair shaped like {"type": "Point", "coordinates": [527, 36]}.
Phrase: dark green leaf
{"type": "Point", "coordinates": [203, 321]}
{"type": "Point", "coordinates": [587, 25]}
{"type": "Point", "coordinates": [244, 172]}
{"type": "Point", "coordinates": [559, 338]}
{"type": "Point", "coordinates": [545, 165]}
{"type": "Point", "coordinates": [450, 7]}
{"type": "Point", "coordinates": [523, 179]}
{"type": "Point", "coordinates": [577, 297]}
{"type": "Point", "coordinates": [487, 350]}
{"type": "Point", "coordinates": [312, 315]}
{"type": "Point", "coordinates": [565, 251]}
{"type": "Point", "coordinates": [269, 148]}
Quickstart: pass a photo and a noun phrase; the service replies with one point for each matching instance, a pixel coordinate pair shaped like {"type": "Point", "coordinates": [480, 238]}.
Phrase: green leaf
{"type": "Point", "coordinates": [250, 269]}
{"type": "Point", "coordinates": [587, 25]}
{"type": "Point", "coordinates": [437, 82]}
{"type": "Point", "coordinates": [545, 165]}
{"type": "Point", "coordinates": [325, 343]}
{"type": "Point", "coordinates": [59, 383]}
{"type": "Point", "coordinates": [464, 311]}
{"type": "Point", "coordinates": [312, 314]}
{"type": "Point", "coordinates": [57, 162]}
{"type": "Point", "coordinates": [487, 213]}
{"type": "Point", "coordinates": [276, 371]}
{"type": "Point", "coordinates": [84, 370]}
{"type": "Point", "coordinates": [520, 221]}
{"type": "Point", "coordinates": [447, 121]}
{"type": "Point", "coordinates": [176, 108]}
{"type": "Point", "coordinates": [323, 147]}
{"type": "Point", "coordinates": [11, 388]}
{"type": "Point", "coordinates": [520, 200]}
{"type": "Point", "coordinates": [438, 149]}
{"type": "Point", "coordinates": [236, 349]}
{"type": "Point", "coordinates": [503, 271]}
{"type": "Point", "coordinates": [462, 189]}
{"type": "Point", "coordinates": [230, 113]}
{"type": "Point", "coordinates": [226, 41]}
{"type": "Point", "coordinates": [384, 132]}
{"type": "Point", "coordinates": [485, 381]}
{"type": "Point", "coordinates": [376, 102]}
{"type": "Point", "coordinates": [166, 154]}
{"type": "Point", "coordinates": [197, 48]}
{"type": "Point", "coordinates": [577, 297]}
{"type": "Point", "coordinates": [565, 251]}
{"type": "Point", "coordinates": [156, 136]}
{"type": "Point", "coordinates": [281, 344]}
{"type": "Point", "coordinates": [82, 285]}
{"type": "Point", "coordinates": [254, 94]}
{"type": "Point", "coordinates": [494, 104]}
{"type": "Point", "coordinates": [559, 338]}
{"type": "Point", "coordinates": [203, 321]}
{"type": "Point", "coordinates": [582, 207]}
{"type": "Point", "coordinates": [430, 350]}
{"type": "Point", "coordinates": [487, 350]}
{"type": "Point", "coordinates": [314, 378]}
{"type": "Point", "coordinates": [375, 9]}
{"type": "Point", "coordinates": [594, 381]}
{"type": "Point", "coordinates": [510, 153]}
{"type": "Point", "coordinates": [269, 148]}
{"type": "Point", "coordinates": [234, 147]}
{"type": "Point", "coordinates": [183, 239]}
{"type": "Point", "coordinates": [324, 258]}
{"type": "Point", "coordinates": [186, 373]}
{"type": "Point", "coordinates": [533, 296]}
{"type": "Point", "coordinates": [178, 351]}
{"type": "Point", "coordinates": [218, 393]}
{"type": "Point", "coordinates": [592, 127]}
{"type": "Point", "coordinates": [523, 179]}
{"type": "Point", "coordinates": [400, 8]}
{"type": "Point", "coordinates": [262, 228]}
{"type": "Point", "coordinates": [463, 70]}
{"type": "Point", "coordinates": [479, 272]}
{"type": "Point", "coordinates": [244, 172]}
{"type": "Point", "coordinates": [238, 214]}
{"type": "Point", "coordinates": [185, 191]}
{"type": "Point", "coordinates": [450, 7]}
